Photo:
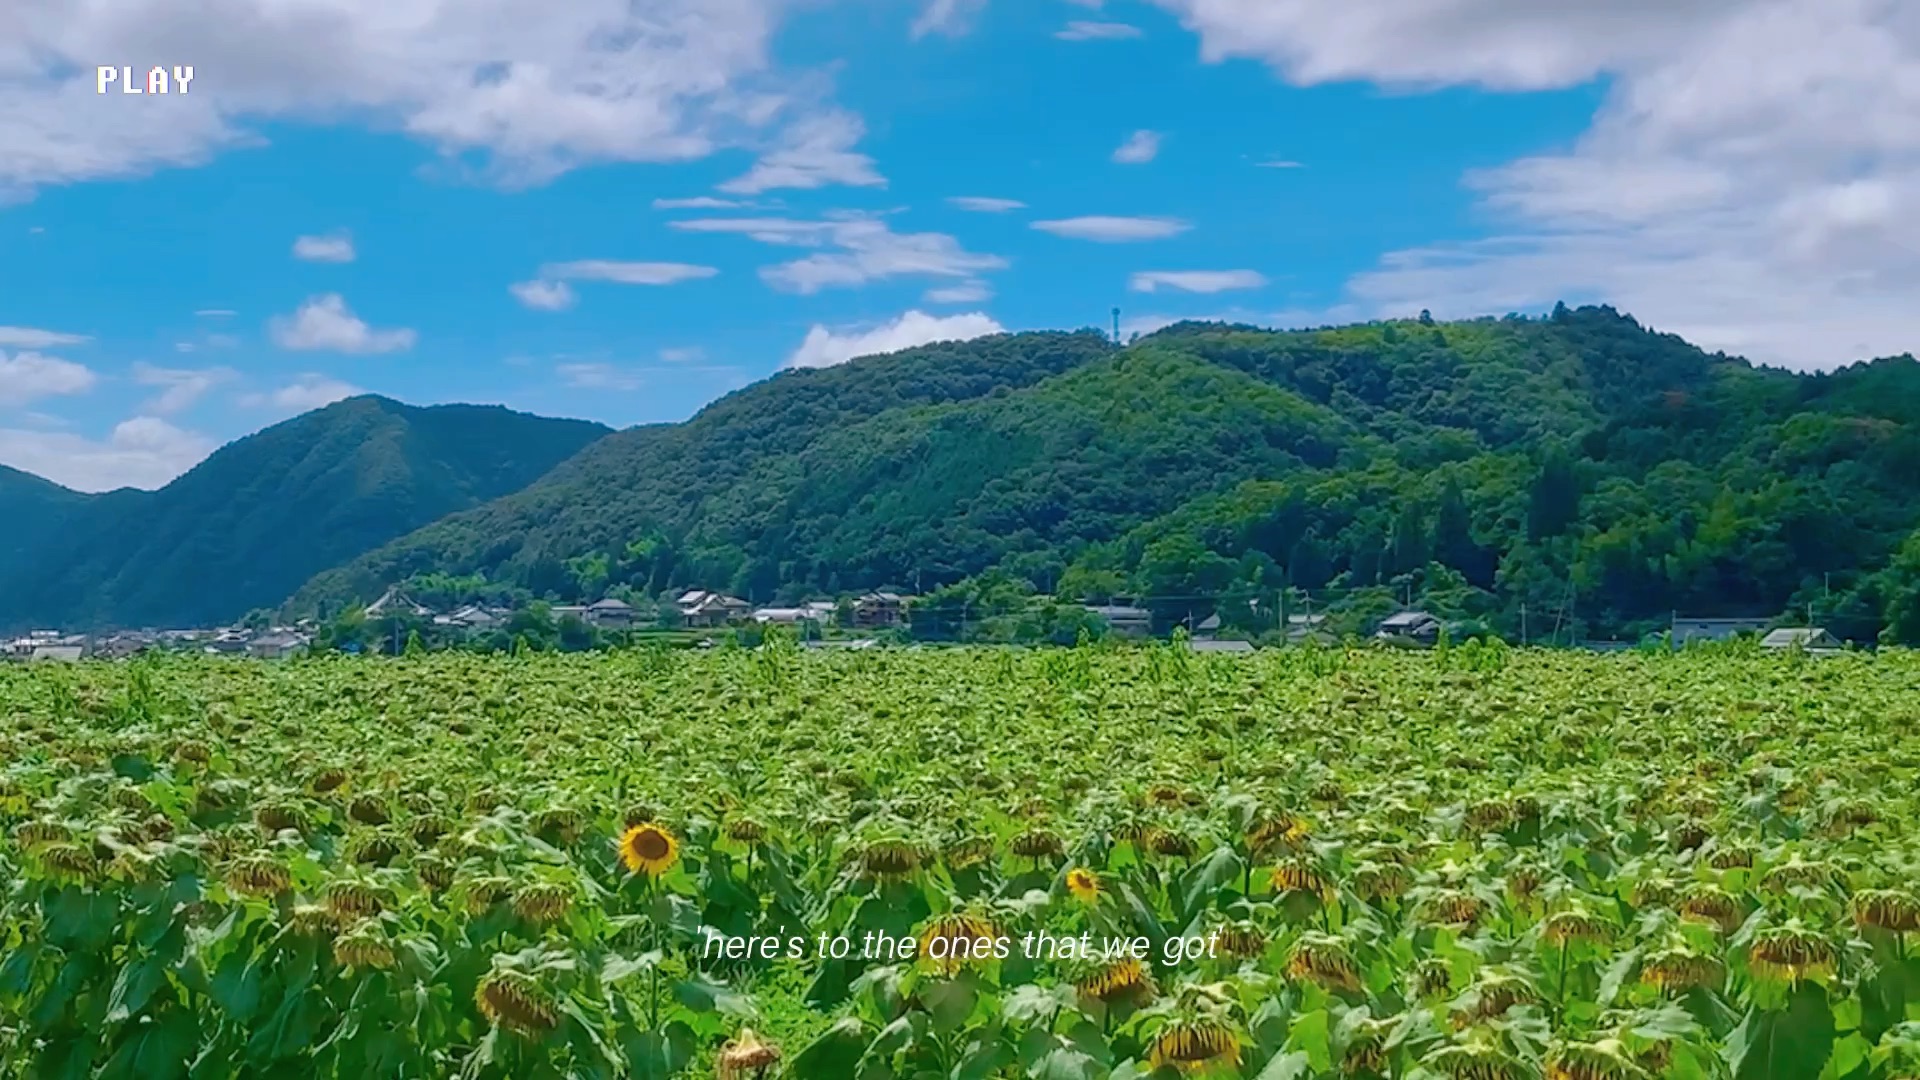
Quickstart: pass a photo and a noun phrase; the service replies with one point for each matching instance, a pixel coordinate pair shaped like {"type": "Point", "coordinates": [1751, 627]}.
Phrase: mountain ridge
{"type": "Point", "coordinates": [1579, 455]}
{"type": "Point", "coordinates": [261, 514]}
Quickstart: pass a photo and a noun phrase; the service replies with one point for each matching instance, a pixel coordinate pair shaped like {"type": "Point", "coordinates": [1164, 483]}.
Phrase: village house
{"type": "Point", "coordinates": [1685, 630]}
{"type": "Point", "coordinates": [394, 602]}
{"type": "Point", "coordinates": [879, 610]}
{"type": "Point", "coordinates": [277, 644]}
{"type": "Point", "coordinates": [610, 614]}
{"type": "Point", "coordinates": [785, 616]}
{"type": "Point", "coordinates": [1811, 639]}
{"type": "Point", "coordinates": [1409, 628]}
{"type": "Point", "coordinates": [1124, 620]}
{"type": "Point", "coordinates": [703, 609]}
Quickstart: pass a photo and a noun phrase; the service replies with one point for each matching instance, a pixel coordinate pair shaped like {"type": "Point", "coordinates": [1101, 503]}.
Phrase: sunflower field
{"type": "Point", "coordinates": [1473, 863]}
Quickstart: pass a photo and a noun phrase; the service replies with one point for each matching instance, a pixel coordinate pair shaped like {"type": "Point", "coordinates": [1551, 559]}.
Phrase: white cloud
{"type": "Point", "coordinates": [698, 202]}
{"type": "Point", "coordinates": [867, 250]}
{"type": "Point", "coordinates": [967, 292]}
{"type": "Point", "coordinates": [1750, 182]}
{"type": "Point", "coordinates": [825, 348]}
{"type": "Point", "coordinates": [1281, 164]}
{"type": "Point", "coordinates": [1114, 230]}
{"type": "Point", "coordinates": [304, 394]}
{"type": "Point", "coordinates": [26, 337]}
{"type": "Point", "coordinates": [544, 295]}
{"type": "Point", "coordinates": [626, 273]}
{"type": "Point", "coordinates": [950, 17]}
{"type": "Point", "coordinates": [30, 376]}
{"type": "Point", "coordinates": [216, 313]}
{"type": "Point", "coordinates": [597, 376]}
{"type": "Point", "coordinates": [1196, 281]}
{"type": "Point", "coordinates": [684, 355]}
{"type": "Point", "coordinates": [816, 152]}
{"type": "Point", "coordinates": [333, 248]}
{"type": "Point", "coordinates": [530, 87]}
{"type": "Point", "coordinates": [143, 452]}
{"type": "Point", "coordinates": [1086, 30]}
{"type": "Point", "coordinates": [179, 388]}
{"type": "Point", "coordinates": [1140, 148]}
{"type": "Point", "coordinates": [981, 204]}
{"type": "Point", "coordinates": [324, 324]}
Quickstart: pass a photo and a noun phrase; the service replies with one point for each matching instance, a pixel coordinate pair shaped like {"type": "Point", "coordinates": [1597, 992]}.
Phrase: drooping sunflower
{"type": "Point", "coordinates": [1125, 980]}
{"type": "Point", "coordinates": [746, 1055]}
{"type": "Point", "coordinates": [1324, 960]}
{"type": "Point", "coordinates": [649, 848]}
{"type": "Point", "coordinates": [1894, 911]}
{"type": "Point", "coordinates": [1711, 904]}
{"type": "Point", "coordinates": [952, 941]}
{"type": "Point", "coordinates": [1607, 1059]}
{"type": "Point", "coordinates": [1085, 885]}
{"type": "Point", "coordinates": [1791, 953]}
{"type": "Point", "coordinates": [1196, 1044]}
{"type": "Point", "coordinates": [515, 1001]}
{"type": "Point", "coordinates": [1680, 969]}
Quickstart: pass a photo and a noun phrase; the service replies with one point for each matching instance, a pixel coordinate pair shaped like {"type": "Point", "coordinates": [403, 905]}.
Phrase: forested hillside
{"type": "Point", "coordinates": [263, 514]}
{"type": "Point", "coordinates": [1578, 464]}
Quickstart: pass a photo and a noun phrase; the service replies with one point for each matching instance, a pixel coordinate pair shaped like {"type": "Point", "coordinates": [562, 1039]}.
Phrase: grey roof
{"type": "Point", "coordinates": [1407, 620]}
{"type": "Point", "coordinates": [1807, 637]}
{"type": "Point", "coordinates": [1119, 611]}
{"type": "Point", "coordinates": [1221, 646]}
{"type": "Point", "coordinates": [610, 604]}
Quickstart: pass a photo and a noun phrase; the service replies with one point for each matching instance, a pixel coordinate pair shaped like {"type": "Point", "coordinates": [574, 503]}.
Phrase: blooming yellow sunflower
{"type": "Point", "coordinates": [649, 849]}
{"type": "Point", "coordinates": [1084, 884]}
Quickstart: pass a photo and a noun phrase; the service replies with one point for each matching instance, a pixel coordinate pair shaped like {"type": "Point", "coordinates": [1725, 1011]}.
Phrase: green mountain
{"type": "Point", "coordinates": [244, 528]}
{"type": "Point", "coordinates": [1579, 467]}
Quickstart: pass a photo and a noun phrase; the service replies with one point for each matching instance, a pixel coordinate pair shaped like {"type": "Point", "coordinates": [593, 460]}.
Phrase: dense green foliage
{"type": "Point", "coordinates": [244, 528]}
{"type": "Point", "coordinates": [1580, 467]}
{"type": "Point", "coordinates": [1472, 864]}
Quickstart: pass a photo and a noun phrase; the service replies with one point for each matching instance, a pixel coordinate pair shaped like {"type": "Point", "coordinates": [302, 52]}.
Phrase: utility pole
{"type": "Point", "coordinates": [1116, 326]}
{"type": "Point", "coordinates": [1523, 624]}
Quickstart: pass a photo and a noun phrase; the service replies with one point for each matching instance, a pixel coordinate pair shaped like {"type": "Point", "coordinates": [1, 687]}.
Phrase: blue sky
{"type": "Point", "coordinates": [626, 211]}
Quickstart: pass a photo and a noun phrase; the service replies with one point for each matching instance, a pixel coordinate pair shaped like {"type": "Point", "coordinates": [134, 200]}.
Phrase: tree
{"type": "Point", "coordinates": [1900, 586]}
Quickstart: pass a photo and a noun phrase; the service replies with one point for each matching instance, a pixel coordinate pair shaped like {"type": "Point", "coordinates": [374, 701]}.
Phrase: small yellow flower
{"type": "Point", "coordinates": [649, 849]}
{"type": "Point", "coordinates": [1084, 884]}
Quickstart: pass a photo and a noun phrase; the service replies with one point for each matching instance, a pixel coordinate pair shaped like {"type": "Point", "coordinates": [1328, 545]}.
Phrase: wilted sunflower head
{"type": "Point", "coordinates": [746, 830]}
{"type": "Point", "coordinates": [889, 858]}
{"type": "Point", "coordinates": [1607, 1059]}
{"type": "Point", "coordinates": [1454, 908]}
{"type": "Point", "coordinates": [542, 901]}
{"type": "Point", "coordinates": [1574, 925]}
{"type": "Point", "coordinates": [1367, 1047]}
{"type": "Point", "coordinates": [1038, 844]}
{"type": "Point", "coordinates": [955, 940]}
{"type": "Point", "coordinates": [351, 901]}
{"type": "Point", "coordinates": [364, 947]}
{"type": "Point", "coordinates": [1171, 843]}
{"type": "Point", "coordinates": [1791, 953]}
{"type": "Point", "coordinates": [259, 875]}
{"type": "Point", "coordinates": [1242, 940]}
{"type": "Point", "coordinates": [1476, 1061]}
{"type": "Point", "coordinates": [1797, 872]}
{"type": "Point", "coordinates": [1084, 885]}
{"type": "Point", "coordinates": [1195, 1044]}
{"type": "Point", "coordinates": [1711, 904]}
{"type": "Point", "coordinates": [1111, 982]}
{"type": "Point", "coordinates": [1300, 875]}
{"type": "Point", "coordinates": [1324, 960]}
{"type": "Point", "coordinates": [746, 1055]}
{"type": "Point", "coordinates": [1894, 911]}
{"type": "Point", "coordinates": [1374, 882]}
{"type": "Point", "coordinates": [1493, 995]}
{"type": "Point", "coordinates": [968, 851]}
{"type": "Point", "coordinates": [649, 849]}
{"type": "Point", "coordinates": [517, 1002]}
{"type": "Point", "coordinates": [1679, 969]}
